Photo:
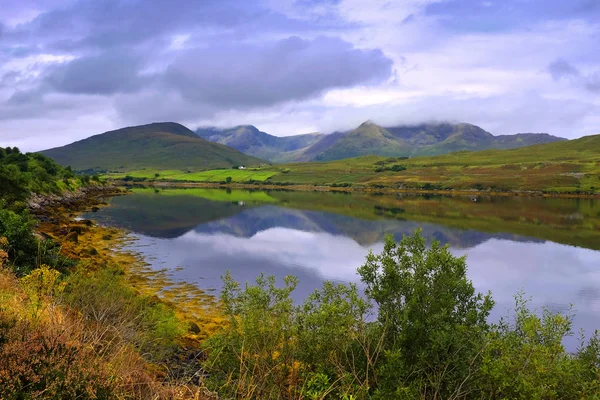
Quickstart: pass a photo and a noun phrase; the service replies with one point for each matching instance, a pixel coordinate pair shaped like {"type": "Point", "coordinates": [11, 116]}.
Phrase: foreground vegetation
{"type": "Point", "coordinates": [431, 338]}
{"type": "Point", "coordinates": [76, 322]}
{"type": "Point", "coordinates": [559, 168]}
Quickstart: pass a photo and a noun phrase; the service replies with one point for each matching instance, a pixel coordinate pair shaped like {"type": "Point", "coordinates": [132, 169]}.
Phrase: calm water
{"type": "Point", "coordinates": [549, 248]}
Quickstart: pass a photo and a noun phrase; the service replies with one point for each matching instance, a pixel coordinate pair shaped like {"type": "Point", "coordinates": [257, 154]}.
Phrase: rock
{"type": "Point", "coordinates": [72, 237]}
{"type": "Point", "coordinates": [194, 328]}
{"type": "Point", "coordinates": [91, 251]}
{"type": "Point", "coordinates": [79, 229]}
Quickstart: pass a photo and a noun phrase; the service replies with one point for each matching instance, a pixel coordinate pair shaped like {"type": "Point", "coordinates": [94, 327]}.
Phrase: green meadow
{"type": "Point", "coordinates": [211, 194]}
{"type": "Point", "coordinates": [569, 167]}
{"type": "Point", "coordinates": [215, 175]}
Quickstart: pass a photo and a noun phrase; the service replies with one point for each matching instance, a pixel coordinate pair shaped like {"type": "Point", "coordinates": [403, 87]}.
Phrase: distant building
{"type": "Point", "coordinates": [241, 167]}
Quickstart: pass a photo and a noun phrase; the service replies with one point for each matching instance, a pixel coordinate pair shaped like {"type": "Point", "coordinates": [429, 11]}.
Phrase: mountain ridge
{"type": "Point", "coordinates": [249, 140]}
{"type": "Point", "coordinates": [369, 138]}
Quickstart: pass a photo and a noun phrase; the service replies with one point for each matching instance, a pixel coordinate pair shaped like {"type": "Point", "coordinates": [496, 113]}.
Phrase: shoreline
{"type": "Point", "coordinates": [357, 189]}
{"type": "Point", "coordinates": [105, 247]}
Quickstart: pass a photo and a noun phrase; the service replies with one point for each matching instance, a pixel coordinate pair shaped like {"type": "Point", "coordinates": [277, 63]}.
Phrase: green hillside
{"type": "Point", "coordinates": [369, 139]}
{"type": "Point", "coordinates": [165, 145]}
{"type": "Point", "coordinates": [561, 167]}
{"type": "Point", "coordinates": [249, 140]}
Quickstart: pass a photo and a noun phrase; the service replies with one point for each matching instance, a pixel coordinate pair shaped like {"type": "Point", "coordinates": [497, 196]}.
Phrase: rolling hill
{"type": "Point", "coordinates": [370, 138]}
{"type": "Point", "coordinates": [571, 166]}
{"type": "Point", "coordinates": [165, 145]}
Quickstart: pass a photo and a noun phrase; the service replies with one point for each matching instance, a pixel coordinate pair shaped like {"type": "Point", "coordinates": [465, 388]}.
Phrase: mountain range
{"type": "Point", "coordinates": [165, 145]}
{"type": "Point", "coordinates": [369, 138]}
{"type": "Point", "coordinates": [171, 146]}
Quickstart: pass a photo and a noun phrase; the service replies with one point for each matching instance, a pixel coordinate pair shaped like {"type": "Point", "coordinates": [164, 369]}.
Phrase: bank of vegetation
{"type": "Point", "coordinates": [74, 322]}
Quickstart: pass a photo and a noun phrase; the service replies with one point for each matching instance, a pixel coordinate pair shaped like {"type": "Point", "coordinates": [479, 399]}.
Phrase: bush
{"type": "Point", "coordinates": [272, 349]}
{"type": "Point", "coordinates": [525, 358]}
{"type": "Point", "coordinates": [37, 361]}
{"type": "Point", "coordinates": [397, 168]}
{"type": "Point", "coordinates": [430, 340]}
{"type": "Point", "coordinates": [24, 250]}
{"type": "Point", "coordinates": [433, 321]}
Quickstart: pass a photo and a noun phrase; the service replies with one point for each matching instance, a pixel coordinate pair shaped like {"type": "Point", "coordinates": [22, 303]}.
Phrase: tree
{"type": "Point", "coordinates": [228, 179]}
{"type": "Point", "coordinates": [433, 321]}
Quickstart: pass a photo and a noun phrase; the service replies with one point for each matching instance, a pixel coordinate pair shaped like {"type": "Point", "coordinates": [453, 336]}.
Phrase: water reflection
{"type": "Point", "coordinates": [279, 235]}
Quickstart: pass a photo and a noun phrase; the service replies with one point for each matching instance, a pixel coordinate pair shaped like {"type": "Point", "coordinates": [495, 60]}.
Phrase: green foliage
{"type": "Point", "coordinates": [433, 321]}
{"type": "Point", "coordinates": [431, 339]}
{"type": "Point", "coordinates": [525, 359]}
{"type": "Point", "coordinates": [255, 355]}
{"type": "Point", "coordinates": [25, 250]}
{"type": "Point", "coordinates": [23, 174]}
{"type": "Point", "coordinates": [22, 244]}
{"type": "Point", "coordinates": [273, 349]}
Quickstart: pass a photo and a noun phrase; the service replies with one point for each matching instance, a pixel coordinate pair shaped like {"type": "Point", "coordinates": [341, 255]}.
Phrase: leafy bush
{"type": "Point", "coordinates": [526, 359]}
{"type": "Point", "coordinates": [431, 339]}
{"type": "Point", "coordinates": [24, 249]}
{"type": "Point", "coordinates": [272, 349]}
{"type": "Point", "coordinates": [433, 321]}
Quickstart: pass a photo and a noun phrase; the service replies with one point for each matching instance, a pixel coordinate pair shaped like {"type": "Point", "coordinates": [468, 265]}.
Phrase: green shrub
{"type": "Point", "coordinates": [433, 321]}
{"type": "Point", "coordinates": [431, 339]}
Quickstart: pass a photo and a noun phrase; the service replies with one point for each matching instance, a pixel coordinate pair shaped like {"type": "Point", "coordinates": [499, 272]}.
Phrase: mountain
{"type": "Point", "coordinates": [249, 140]}
{"type": "Point", "coordinates": [370, 138]}
{"type": "Point", "coordinates": [164, 145]}
{"type": "Point", "coordinates": [415, 140]}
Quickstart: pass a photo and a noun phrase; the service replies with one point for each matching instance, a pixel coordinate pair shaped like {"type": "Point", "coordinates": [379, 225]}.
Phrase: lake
{"type": "Point", "coordinates": [548, 248]}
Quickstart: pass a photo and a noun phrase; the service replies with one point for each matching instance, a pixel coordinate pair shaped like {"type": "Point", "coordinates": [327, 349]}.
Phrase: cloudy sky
{"type": "Point", "coordinates": [73, 68]}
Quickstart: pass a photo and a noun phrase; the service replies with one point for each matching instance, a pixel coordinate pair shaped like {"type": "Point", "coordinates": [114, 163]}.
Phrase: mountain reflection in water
{"type": "Point", "coordinates": [546, 247]}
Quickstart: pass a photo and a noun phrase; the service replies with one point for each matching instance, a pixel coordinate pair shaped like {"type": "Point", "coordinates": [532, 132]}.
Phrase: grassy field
{"type": "Point", "coordinates": [216, 175]}
{"type": "Point", "coordinates": [556, 168]}
{"type": "Point", "coordinates": [211, 194]}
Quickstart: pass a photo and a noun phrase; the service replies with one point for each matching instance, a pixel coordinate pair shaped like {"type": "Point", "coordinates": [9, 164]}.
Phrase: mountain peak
{"type": "Point", "coordinates": [368, 123]}
{"type": "Point", "coordinates": [161, 145]}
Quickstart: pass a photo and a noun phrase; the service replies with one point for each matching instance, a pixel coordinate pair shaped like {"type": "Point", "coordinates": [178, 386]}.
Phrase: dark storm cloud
{"type": "Point", "coordinates": [107, 73]}
{"type": "Point", "coordinates": [233, 75]}
{"type": "Point", "coordinates": [234, 60]}
{"type": "Point", "coordinates": [562, 69]}
{"type": "Point", "coordinates": [92, 24]}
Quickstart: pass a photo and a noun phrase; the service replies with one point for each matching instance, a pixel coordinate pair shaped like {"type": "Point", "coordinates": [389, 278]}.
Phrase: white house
{"type": "Point", "coordinates": [241, 167]}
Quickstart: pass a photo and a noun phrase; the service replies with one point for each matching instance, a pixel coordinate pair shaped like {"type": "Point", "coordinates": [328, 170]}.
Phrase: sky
{"type": "Point", "coordinates": [70, 69]}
